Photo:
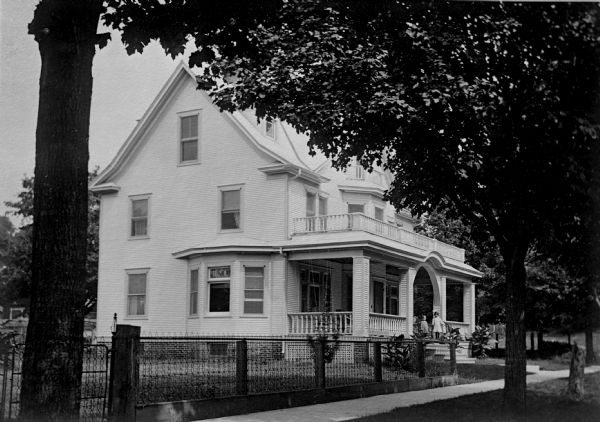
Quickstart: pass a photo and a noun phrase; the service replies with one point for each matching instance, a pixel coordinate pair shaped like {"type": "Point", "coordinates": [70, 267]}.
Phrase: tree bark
{"type": "Point", "coordinates": [514, 372]}
{"type": "Point", "coordinates": [66, 34]}
{"type": "Point", "coordinates": [590, 355]}
{"type": "Point", "coordinates": [575, 389]}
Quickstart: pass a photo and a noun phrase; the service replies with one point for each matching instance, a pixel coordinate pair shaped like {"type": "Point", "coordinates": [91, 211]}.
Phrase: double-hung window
{"type": "Point", "coordinates": [254, 290]}
{"type": "Point", "coordinates": [188, 141]}
{"type": "Point", "coordinates": [136, 294]}
{"type": "Point", "coordinates": [386, 293]}
{"type": "Point", "coordinates": [194, 292]}
{"type": "Point", "coordinates": [219, 279]}
{"type": "Point", "coordinates": [231, 209]}
{"type": "Point", "coordinates": [311, 201]}
{"type": "Point", "coordinates": [316, 205]}
{"type": "Point", "coordinates": [139, 217]}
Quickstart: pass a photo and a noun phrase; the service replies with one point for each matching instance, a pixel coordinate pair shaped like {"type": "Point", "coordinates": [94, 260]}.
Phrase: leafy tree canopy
{"type": "Point", "coordinates": [15, 276]}
{"type": "Point", "coordinates": [482, 109]}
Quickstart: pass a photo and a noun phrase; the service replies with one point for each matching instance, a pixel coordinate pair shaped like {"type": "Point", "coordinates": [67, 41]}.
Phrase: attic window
{"type": "Point", "coordinates": [188, 139]}
{"type": "Point", "coordinates": [270, 128]}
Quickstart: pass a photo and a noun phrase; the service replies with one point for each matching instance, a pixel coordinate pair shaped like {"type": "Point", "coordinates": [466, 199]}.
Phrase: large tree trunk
{"type": "Point", "coordinates": [66, 33]}
{"type": "Point", "coordinates": [590, 355]}
{"type": "Point", "coordinates": [514, 372]}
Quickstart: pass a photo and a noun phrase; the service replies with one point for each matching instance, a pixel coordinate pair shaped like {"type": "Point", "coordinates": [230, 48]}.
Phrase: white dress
{"type": "Point", "coordinates": [437, 324]}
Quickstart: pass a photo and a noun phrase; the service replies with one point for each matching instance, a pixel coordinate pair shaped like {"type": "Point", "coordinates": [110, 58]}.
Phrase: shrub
{"type": "Point", "coordinates": [480, 339]}
{"type": "Point", "coordinates": [399, 354]}
{"type": "Point", "coordinates": [327, 334]}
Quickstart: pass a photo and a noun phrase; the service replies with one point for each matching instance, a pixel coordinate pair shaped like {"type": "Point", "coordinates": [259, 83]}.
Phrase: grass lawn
{"type": "Point", "coordinates": [545, 403]}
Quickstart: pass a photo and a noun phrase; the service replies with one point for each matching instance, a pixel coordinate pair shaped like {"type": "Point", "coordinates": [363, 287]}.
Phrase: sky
{"type": "Point", "coordinates": [124, 86]}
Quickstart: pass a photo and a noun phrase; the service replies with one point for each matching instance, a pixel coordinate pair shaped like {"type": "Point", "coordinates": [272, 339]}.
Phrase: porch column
{"type": "Point", "coordinates": [443, 298]}
{"type": "Point", "coordinates": [469, 305]}
{"type": "Point", "coordinates": [360, 296]}
{"type": "Point", "coordinates": [472, 318]}
{"type": "Point", "coordinates": [412, 273]}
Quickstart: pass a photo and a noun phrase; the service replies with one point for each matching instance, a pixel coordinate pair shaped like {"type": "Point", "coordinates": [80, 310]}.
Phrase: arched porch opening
{"type": "Point", "coordinates": [425, 296]}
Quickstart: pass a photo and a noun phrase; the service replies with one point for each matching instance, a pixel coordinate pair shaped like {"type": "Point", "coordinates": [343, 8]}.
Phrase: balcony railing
{"type": "Point", "coordinates": [317, 322]}
{"type": "Point", "coordinates": [386, 325]}
{"type": "Point", "coordinates": [361, 222]}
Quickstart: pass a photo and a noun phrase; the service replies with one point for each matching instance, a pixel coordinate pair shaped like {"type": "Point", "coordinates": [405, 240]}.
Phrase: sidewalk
{"type": "Point", "coordinates": [357, 408]}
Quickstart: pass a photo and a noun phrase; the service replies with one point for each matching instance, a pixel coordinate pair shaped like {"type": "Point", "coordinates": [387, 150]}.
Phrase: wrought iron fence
{"type": "Point", "coordinates": [191, 368]}
{"type": "Point", "coordinates": [94, 382]}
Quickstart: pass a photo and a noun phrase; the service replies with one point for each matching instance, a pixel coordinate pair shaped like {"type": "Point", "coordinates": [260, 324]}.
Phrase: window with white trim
{"type": "Point", "coordinates": [356, 208]}
{"type": "Point", "coordinates": [270, 128]}
{"type": "Point", "coordinates": [315, 295]}
{"type": "Point", "coordinates": [219, 279]}
{"type": "Point", "coordinates": [188, 141]}
{"type": "Point", "coordinates": [194, 292]}
{"type": "Point", "coordinates": [254, 290]}
{"type": "Point", "coordinates": [379, 213]}
{"type": "Point", "coordinates": [311, 201]}
{"type": "Point", "coordinates": [136, 293]}
{"type": "Point", "coordinates": [139, 217]}
{"type": "Point", "coordinates": [386, 292]}
{"type": "Point", "coordinates": [316, 204]}
{"type": "Point", "coordinates": [231, 208]}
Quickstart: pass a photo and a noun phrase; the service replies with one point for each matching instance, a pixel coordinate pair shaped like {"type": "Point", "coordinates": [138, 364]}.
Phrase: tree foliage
{"type": "Point", "coordinates": [482, 109]}
{"type": "Point", "coordinates": [479, 108]}
{"type": "Point", "coordinates": [15, 277]}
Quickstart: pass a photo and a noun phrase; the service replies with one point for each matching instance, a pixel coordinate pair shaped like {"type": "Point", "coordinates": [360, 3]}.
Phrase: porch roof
{"type": "Point", "coordinates": [229, 244]}
{"type": "Point", "coordinates": [319, 243]}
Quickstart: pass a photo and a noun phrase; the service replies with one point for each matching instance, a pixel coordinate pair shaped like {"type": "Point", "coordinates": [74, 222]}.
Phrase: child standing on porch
{"type": "Point", "coordinates": [424, 328]}
{"type": "Point", "coordinates": [437, 325]}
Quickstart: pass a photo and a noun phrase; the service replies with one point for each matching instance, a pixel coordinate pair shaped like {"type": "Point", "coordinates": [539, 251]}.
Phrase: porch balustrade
{"type": "Point", "coordinates": [361, 222]}
{"type": "Point", "coordinates": [387, 325]}
{"type": "Point", "coordinates": [318, 322]}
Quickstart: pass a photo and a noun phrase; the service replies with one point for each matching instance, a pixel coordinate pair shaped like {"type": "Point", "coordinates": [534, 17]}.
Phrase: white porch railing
{"type": "Point", "coordinates": [313, 322]}
{"type": "Point", "coordinates": [386, 325]}
{"type": "Point", "coordinates": [361, 222]}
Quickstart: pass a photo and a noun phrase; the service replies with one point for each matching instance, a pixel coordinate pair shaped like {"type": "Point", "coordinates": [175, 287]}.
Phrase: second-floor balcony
{"type": "Point", "coordinates": [361, 222]}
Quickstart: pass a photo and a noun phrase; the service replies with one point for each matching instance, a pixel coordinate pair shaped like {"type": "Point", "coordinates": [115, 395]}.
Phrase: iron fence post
{"type": "Point", "coordinates": [453, 358]}
{"type": "Point", "coordinates": [241, 368]}
{"type": "Point", "coordinates": [320, 363]}
{"type": "Point", "coordinates": [377, 361]}
{"type": "Point", "coordinates": [421, 358]}
{"type": "Point", "coordinates": [125, 373]}
{"type": "Point", "coordinates": [5, 352]}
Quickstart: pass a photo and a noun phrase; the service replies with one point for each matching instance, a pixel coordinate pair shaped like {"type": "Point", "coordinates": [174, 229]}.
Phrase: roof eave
{"type": "Point", "coordinates": [295, 171]}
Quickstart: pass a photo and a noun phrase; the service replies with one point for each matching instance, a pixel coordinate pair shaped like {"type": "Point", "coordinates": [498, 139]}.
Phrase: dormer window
{"type": "Point", "coordinates": [270, 128]}
{"type": "Point", "coordinates": [355, 171]}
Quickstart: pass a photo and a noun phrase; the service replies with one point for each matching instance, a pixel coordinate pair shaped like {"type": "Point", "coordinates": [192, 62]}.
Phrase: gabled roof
{"type": "Point", "coordinates": [284, 152]}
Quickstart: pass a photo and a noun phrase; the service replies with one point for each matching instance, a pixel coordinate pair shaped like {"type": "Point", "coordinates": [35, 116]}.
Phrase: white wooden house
{"type": "Point", "coordinates": [212, 223]}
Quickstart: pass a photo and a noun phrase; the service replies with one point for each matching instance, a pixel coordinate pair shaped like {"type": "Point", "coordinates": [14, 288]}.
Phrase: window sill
{"type": "Point", "coordinates": [195, 316]}
{"type": "Point", "coordinates": [218, 315]}
{"type": "Point", "coordinates": [188, 163]}
{"type": "Point", "coordinates": [250, 316]}
{"type": "Point", "coordinates": [138, 237]}
{"type": "Point", "coordinates": [134, 317]}
{"type": "Point", "coordinates": [231, 231]}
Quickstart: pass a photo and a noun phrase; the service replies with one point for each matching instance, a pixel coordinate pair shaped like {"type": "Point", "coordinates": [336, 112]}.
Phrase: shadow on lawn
{"type": "Point", "coordinates": [545, 403]}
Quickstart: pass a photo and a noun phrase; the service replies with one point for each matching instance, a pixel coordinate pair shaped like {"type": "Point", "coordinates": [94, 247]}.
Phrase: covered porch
{"type": "Point", "coordinates": [362, 294]}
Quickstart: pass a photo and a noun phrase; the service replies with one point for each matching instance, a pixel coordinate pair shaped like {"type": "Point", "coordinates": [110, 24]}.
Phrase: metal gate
{"type": "Point", "coordinates": [94, 382]}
